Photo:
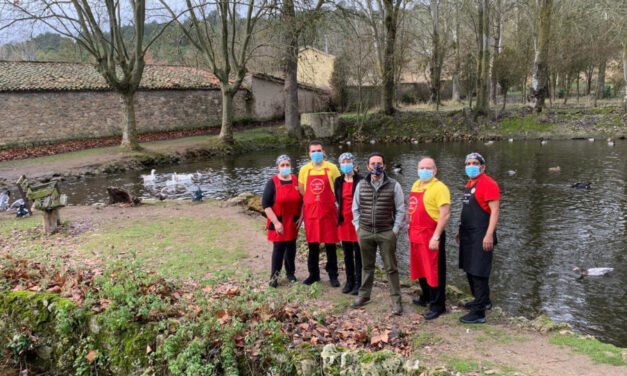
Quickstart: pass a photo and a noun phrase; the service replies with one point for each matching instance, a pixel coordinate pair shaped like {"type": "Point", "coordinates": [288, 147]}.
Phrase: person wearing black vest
{"type": "Point", "coordinates": [345, 187]}
{"type": "Point", "coordinates": [378, 214]}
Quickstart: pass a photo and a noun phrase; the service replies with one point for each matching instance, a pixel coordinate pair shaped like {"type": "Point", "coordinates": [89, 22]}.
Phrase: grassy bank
{"type": "Point", "coordinates": [177, 288]}
{"type": "Point", "coordinates": [518, 123]}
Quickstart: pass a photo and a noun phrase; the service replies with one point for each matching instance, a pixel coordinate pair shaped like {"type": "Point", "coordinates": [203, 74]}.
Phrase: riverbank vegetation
{"type": "Point", "coordinates": [177, 288]}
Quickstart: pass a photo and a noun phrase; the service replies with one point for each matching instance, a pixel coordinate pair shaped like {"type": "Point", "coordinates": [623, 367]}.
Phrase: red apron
{"type": "Point", "coordinates": [287, 203]}
{"type": "Point", "coordinates": [423, 261]}
{"type": "Point", "coordinates": [320, 210]}
{"type": "Point", "coordinates": [346, 230]}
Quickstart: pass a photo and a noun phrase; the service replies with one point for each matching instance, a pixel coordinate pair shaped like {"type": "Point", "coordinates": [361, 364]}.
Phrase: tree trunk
{"type": "Point", "coordinates": [435, 65]}
{"type": "Point", "coordinates": [292, 116]}
{"type": "Point", "coordinates": [387, 92]}
{"type": "Point", "coordinates": [456, 83]}
{"type": "Point", "coordinates": [601, 80]}
{"type": "Point", "coordinates": [226, 132]}
{"type": "Point", "coordinates": [539, 82]}
{"type": "Point", "coordinates": [578, 88]}
{"type": "Point", "coordinates": [567, 92]}
{"type": "Point", "coordinates": [129, 127]}
{"type": "Point", "coordinates": [483, 76]}
{"type": "Point", "coordinates": [497, 46]}
{"type": "Point", "coordinates": [625, 72]}
{"type": "Point", "coordinates": [589, 74]}
{"type": "Point", "coordinates": [504, 98]}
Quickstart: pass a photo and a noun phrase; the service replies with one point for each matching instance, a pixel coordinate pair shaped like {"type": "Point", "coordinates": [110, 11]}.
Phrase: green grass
{"type": "Point", "coordinates": [424, 338]}
{"type": "Point", "coordinates": [524, 124]}
{"type": "Point", "coordinates": [174, 247]}
{"type": "Point", "coordinates": [495, 334]}
{"type": "Point", "coordinates": [461, 365]}
{"type": "Point", "coordinates": [9, 224]}
{"type": "Point", "coordinates": [597, 351]}
{"type": "Point", "coordinates": [64, 156]}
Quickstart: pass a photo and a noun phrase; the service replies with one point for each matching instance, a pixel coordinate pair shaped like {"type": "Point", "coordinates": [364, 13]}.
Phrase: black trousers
{"type": "Point", "coordinates": [283, 252]}
{"type": "Point", "coordinates": [436, 296]}
{"type": "Point", "coordinates": [479, 286]}
{"type": "Point", "coordinates": [313, 259]}
{"type": "Point", "coordinates": [352, 262]}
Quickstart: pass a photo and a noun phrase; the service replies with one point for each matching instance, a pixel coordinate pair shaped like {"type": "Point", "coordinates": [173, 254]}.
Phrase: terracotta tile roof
{"type": "Point", "coordinates": [49, 76]}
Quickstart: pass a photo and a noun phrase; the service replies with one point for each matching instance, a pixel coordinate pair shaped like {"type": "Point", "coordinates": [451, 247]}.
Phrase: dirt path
{"type": "Point", "coordinates": [499, 347]}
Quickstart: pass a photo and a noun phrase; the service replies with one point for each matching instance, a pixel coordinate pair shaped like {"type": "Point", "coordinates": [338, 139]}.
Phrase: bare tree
{"type": "Point", "coordinates": [293, 26]}
{"type": "Point", "coordinates": [483, 70]}
{"type": "Point", "coordinates": [223, 31]}
{"type": "Point", "coordinates": [100, 28]}
{"type": "Point", "coordinates": [540, 20]}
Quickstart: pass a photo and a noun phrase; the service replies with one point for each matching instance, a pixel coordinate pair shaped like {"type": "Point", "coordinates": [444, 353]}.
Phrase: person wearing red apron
{"type": "Point", "coordinates": [477, 235]}
{"type": "Point", "coordinates": [429, 212]}
{"type": "Point", "coordinates": [316, 183]}
{"type": "Point", "coordinates": [282, 203]}
{"type": "Point", "coordinates": [344, 191]}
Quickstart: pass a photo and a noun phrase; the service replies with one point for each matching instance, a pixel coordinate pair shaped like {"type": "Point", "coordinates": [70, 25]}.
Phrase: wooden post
{"type": "Point", "coordinates": [51, 220]}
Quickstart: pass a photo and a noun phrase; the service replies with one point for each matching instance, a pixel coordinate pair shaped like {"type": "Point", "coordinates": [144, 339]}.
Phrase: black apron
{"type": "Point", "coordinates": [474, 225]}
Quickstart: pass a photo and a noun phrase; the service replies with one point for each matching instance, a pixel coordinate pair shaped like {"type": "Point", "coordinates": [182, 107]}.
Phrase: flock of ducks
{"type": "Point", "coordinates": [178, 183]}
{"type": "Point", "coordinates": [610, 142]}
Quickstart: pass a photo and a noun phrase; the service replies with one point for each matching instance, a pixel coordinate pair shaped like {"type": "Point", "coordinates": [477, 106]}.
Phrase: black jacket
{"type": "Point", "coordinates": [339, 185]}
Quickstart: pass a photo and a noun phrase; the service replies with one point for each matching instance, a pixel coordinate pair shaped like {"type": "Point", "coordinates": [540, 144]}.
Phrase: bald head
{"type": "Point", "coordinates": [427, 162]}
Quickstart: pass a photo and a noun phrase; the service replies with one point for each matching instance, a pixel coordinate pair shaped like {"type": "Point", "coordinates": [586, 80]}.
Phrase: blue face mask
{"type": "Point", "coordinates": [472, 171]}
{"type": "Point", "coordinates": [317, 156]}
{"type": "Point", "coordinates": [378, 170]}
{"type": "Point", "coordinates": [285, 171]}
{"type": "Point", "coordinates": [346, 168]}
{"type": "Point", "coordinates": [425, 174]}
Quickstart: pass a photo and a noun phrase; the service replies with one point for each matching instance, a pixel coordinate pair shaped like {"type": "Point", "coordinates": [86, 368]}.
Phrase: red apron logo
{"type": "Point", "coordinates": [317, 186]}
{"type": "Point", "coordinates": [413, 204]}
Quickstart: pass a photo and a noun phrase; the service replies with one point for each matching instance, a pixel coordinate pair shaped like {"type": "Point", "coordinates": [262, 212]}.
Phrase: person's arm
{"type": "Point", "coordinates": [267, 201]}
{"type": "Point", "coordinates": [399, 202]}
{"type": "Point", "coordinates": [355, 208]}
{"type": "Point", "coordinates": [445, 214]}
{"type": "Point", "coordinates": [488, 240]}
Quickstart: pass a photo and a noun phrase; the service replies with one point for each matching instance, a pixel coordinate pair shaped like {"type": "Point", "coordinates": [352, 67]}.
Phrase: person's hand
{"type": "Point", "coordinates": [488, 242]}
{"type": "Point", "coordinates": [434, 245]}
{"type": "Point", "coordinates": [396, 234]}
{"type": "Point", "coordinates": [278, 227]}
{"type": "Point", "coordinates": [457, 238]}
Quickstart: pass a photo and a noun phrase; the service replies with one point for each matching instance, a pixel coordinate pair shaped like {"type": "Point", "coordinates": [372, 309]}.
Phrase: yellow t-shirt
{"type": "Point", "coordinates": [437, 195]}
{"type": "Point", "coordinates": [333, 173]}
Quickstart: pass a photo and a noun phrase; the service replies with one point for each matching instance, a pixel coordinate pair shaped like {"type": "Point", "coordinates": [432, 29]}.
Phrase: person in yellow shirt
{"type": "Point", "coordinates": [316, 182]}
{"type": "Point", "coordinates": [429, 212]}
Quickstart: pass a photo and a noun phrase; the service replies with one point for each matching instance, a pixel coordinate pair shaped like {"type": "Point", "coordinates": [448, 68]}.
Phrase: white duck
{"type": "Point", "coordinates": [510, 140]}
{"type": "Point", "coordinates": [149, 179]}
{"type": "Point", "coordinates": [593, 272]}
{"type": "Point", "coordinates": [591, 139]}
{"type": "Point", "coordinates": [511, 172]}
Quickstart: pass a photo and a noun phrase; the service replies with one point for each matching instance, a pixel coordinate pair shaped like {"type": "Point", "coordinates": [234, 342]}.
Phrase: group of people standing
{"type": "Point", "coordinates": [366, 214]}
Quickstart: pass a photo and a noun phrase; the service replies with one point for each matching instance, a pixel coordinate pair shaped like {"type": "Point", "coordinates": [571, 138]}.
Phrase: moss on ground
{"type": "Point", "coordinates": [597, 351]}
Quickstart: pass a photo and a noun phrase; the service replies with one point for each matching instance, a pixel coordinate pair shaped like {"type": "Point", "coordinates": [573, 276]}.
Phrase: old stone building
{"type": "Point", "coordinates": [44, 102]}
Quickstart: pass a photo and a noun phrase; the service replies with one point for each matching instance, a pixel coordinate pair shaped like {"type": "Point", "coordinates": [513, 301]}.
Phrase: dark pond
{"type": "Point", "coordinates": [546, 227]}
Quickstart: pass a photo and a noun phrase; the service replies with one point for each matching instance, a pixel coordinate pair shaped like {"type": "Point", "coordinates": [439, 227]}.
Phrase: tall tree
{"type": "Point", "coordinates": [101, 28]}
{"type": "Point", "coordinates": [223, 31]}
{"type": "Point", "coordinates": [293, 26]}
{"type": "Point", "coordinates": [457, 58]}
{"type": "Point", "coordinates": [483, 70]}
{"type": "Point", "coordinates": [391, 10]}
{"type": "Point", "coordinates": [541, 26]}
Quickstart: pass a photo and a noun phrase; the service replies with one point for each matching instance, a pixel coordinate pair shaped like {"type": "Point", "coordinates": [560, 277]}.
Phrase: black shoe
{"type": "Point", "coordinates": [430, 315]}
{"type": "Point", "coordinates": [419, 302]}
{"type": "Point", "coordinates": [274, 283]}
{"type": "Point", "coordinates": [473, 318]}
{"type": "Point", "coordinates": [360, 302]}
{"type": "Point", "coordinates": [311, 280]}
{"type": "Point", "coordinates": [291, 278]}
{"type": "Point", "coordinates": [469, 305]}
{"type": "Point", "coordinates": [348, 287]}
{"type": "Point", "coordinates": [334, 282]}
{"type": "Point", "coordinates": [356, 289]}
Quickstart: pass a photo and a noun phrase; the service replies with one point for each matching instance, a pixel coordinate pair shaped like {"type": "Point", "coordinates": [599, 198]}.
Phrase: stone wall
{"type": "Point", "coordinates": [41, 117]}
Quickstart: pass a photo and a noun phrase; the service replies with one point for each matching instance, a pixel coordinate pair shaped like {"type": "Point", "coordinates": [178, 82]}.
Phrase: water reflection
{"type": "Point", "coordinates": [546, 227]}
